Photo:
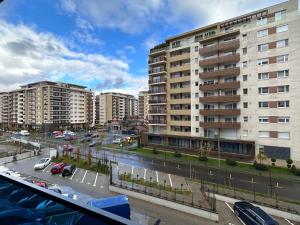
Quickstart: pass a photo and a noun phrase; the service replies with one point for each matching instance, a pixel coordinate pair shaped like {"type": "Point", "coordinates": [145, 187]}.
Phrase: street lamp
{"type": "Point", "coordinates": [219, 149]}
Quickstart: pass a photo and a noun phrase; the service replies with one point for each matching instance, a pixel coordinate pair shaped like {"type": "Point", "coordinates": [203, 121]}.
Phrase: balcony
{"type": "Point", "coordinates": [158, 91]}
{"type": "Point", "coordinates": [221, 125]}
{"type": "Point", "coordinates": [180, 79]}
{"type": "Point", "coordinates": [158, 60]}
{"type": "Point", "coordinates": [180, 68]}
{"type": "Point", "coordinates": [223, 46]}
{"type": "Point", "coordinates": [180, 101]}
{"type": "Point", "coordinates": [158, 81]}
{"type": "Point", "coordinates": [220, 73]}
{"type": "Point", "coordinates": [160, 111]}
{"type": "Point", "coordinates": [183, 56]}
{"type": "Point", "coordinates": [158, 122]}
{"type": "Point", "coordinates": [158, 101]}
{"type": "Point", "coordinates": [233, 58]}
{"type": "Point", "coordinates": [220, 86]}
{"type": "Point", "coordinates": [180, 123]}
{"type": "Point", "coordinates": [221, 99]}
{"type": "Point", "coordinates": [220, 112]}
{"type": "Point", "coordinates": [157, 71]}
{"type": "Point", "coordinates": [180, 90]}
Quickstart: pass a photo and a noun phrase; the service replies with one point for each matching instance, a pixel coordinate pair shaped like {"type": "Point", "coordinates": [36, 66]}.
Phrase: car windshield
{"type": "Point", "coordinates": [42, 161]}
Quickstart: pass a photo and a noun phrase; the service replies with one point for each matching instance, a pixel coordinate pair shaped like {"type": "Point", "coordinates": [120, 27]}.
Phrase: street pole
{"type": "Point", "coordinates": [219, 149]}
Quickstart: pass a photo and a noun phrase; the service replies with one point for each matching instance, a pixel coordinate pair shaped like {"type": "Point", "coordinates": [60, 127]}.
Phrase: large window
{"type": "Point", "coordinates": [282, 73]}
{"type": "Point", "coordinates": [263, 47]}
{"type": "Point", "coordinates": [261, 21]}
{"type": "Point", "coordinates": [263, 119]}
{"type": "Point", "coordinates": [283, 119]}
{"type": "Point", "coordinates": [262, 33]}
{"type": "Point", "coordinates": [263, 90]}
{"type": "Point", "coordinates": [283, 104]}
{"type": "Point", "coordinates": [283, 88]}
{"type": "Point", "coordinates": [280, 15]}
{"type": "Point", "coordinates": [264, 134]}
{"type": "Point", "coordinates": [263, 61]}
{"type": "Point", "coordinates": [282, 58]}
{"type": "Point", "coordinates": [263, 76]}
{"type": "Point", "coordinates": [282, 28]}
{"type": "Point", "coordinates": [283, 135]}
{"type": "Point", "coordinates": [263, 104]}
{"type": "Point", "coordinates": [282, 43]}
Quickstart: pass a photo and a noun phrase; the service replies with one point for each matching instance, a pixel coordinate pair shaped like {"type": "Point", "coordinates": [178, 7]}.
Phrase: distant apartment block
{"type": "Point", "coordinates": [234, 83]}
{"type": "Point", "coordinates": [115, 106]}
{"type": "Point", "coordinates": [143, 105]}
{"type": "Point", "coordinates": [48, 104]}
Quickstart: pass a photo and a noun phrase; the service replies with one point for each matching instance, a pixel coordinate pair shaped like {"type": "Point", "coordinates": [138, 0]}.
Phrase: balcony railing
{"type": "Point", "coordinates": [156, 91]}
{"type": "Point", "coordinates": [221, 98]}
{"type": "Point", "coordinates": [158, 101]}
{"type": "Point", "coordinates": [157, 60]}
{"type": "Point", "coordinates": [220, 60]}
{"type": "Point", "coordinates": [161, 80]}
{"type": "Point", "coordinates": [220, 73]}
{"type": "Point", "coordinates": [221, 125]}
{"type": "Point", "coordinates": [220, 112]}
{"type": "Point", "coordinates": [157, 121]}
{"type": "Point", "coordinates": [160, 111]}
{"type": "Point", "coordinates": [234, 44]}
{"type": "Point", "coordinates": [160, 70]}
{"type": "Point", "coordinates": [219, 86]}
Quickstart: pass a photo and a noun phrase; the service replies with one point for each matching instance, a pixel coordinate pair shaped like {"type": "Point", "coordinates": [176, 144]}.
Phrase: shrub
{"type": "Point", "coordinates": [273, 160]}
{"type": "Point", "coordinates": [203, 158]}
{"type": "Point", "coordinates": [154, 151]}
{"type": "Point", "coordinates": [289, 163]}
{"type": "Point", "coordinates": [293, 168]}
{"type": "Point", "coordinates": [231, 162]}
{"type": "Point", "coordinates": [177, 154]}
{"type": "Point", "coordinates": [260, 166]}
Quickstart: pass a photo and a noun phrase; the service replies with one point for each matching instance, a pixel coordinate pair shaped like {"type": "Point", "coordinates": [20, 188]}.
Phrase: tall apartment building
{"type": "Point", "coordinates": [232, 84]}
{"type": "Point", "coordinates": [143, 105]}
{"type": "Point", "coordinates": [115, 106]}
{"type": "Point", "coordinates": [4, 109]}
{"type": "Point", "coordinates": [46, 103]}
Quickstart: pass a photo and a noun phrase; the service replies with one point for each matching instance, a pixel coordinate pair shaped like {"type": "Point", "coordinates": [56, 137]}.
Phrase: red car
{"type": "Point", "coordinates": [57, 168]}
{"type": "Point", "coordinates": [40, 183]}
{"type": "Point", "coordinates": [68, 148]}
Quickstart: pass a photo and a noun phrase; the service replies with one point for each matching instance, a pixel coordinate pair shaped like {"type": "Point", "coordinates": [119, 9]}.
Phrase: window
{"type": "Point", "coordinates": [263, 76]}
{"type": "Point", "coordinates": [196, 95]}
{"type": "Point", "coordinates": [262, 33]}
{"type": "Point", "coordinates": [245, 133]}
{"type": "Point", "coordinates": [282, 58]}
{"type": "Point", "coordinates": [245, 119]}
{"type": "Point", "coordinates": [197, 118]}
{"type": "Point", "coordinates": [197, 130]}
{"type": "Point", "coordinates": [244, 51]}
{"type": "Point", "coordinates": [282, 73]}
{"type": "Point", "coordinates": [263, 47]}
{"type": "Point", "coordinates": [196, 83]}
{"type": "Point", "coordinates": [176, 44]}
{"type": "Point", "coordinates": [196, 106]}
{"type": "Point", "coordinates": [245, 91]}
{"type": "Point", "coordinates": [245, 77]}
{"type": "Point", "coordinates": [261, 21]}
{"type": "Point", "coordinates": [245, 105]}
{"type": "Point", "coordinates": [263, 119]}
{"type": "Point", "coordinates": [280, 15]}
{"type": "Point", "coordinates": [196, 48]}
{"type": "Point", "coordinates": [196, 60]}
{"type": "Point", "coordinates": [263, 90]}
{"type": "Point", "coordinates": [263, 61]}
{"type": "Point", "coordinates": [264, 134]}
{"type": "Point", "coordinates": [196, 72]}
{"type": "Point", "coordinates": [283, 88]}
{"type": "Point", "coordinates": [245, 64]}
{"type": "Point", "coordinates": [283, 119]}
{"type": "Point", "coordinates": [283, 135]}
{"type": "Point", "coordinates": [244, 35]}
{"type": "Point", "coordinates": [282, 28]}
{"type": "Point", "coordinates": [263, 104]}
{"type": "Point", "coordinates": [283, 104]}
{"type": "Point", "coordinates": [282, 43]}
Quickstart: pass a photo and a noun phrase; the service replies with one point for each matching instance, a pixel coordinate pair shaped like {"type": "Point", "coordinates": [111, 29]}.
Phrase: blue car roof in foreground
{"type": "Point", "coordinates": [109, 201]}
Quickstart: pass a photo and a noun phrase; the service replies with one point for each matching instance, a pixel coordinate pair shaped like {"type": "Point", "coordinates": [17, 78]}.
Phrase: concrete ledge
{"type": "Point", "coordinates": [162, 202]}
{"type": "Point", "coordinates": [272, 211]}
{"type": "Point", "coordinates": [18, 157]}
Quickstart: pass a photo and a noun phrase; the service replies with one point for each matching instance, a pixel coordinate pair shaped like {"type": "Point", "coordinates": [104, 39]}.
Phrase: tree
{"type": "Point", "coordinates": [261, 157]}
{"type": "Point", "coordinates": [78, 155]}
{"type": "Point", "coordinates": [289, 163]}
{"type": "Point", "coordinates": [273, 161]}
{"type": "Point", "coordinates": [89, 158]}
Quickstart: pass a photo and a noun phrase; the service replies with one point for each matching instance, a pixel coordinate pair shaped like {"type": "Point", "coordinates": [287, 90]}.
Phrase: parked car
{"type": "Point", "coordinates": [67, 132]}
{"type": "Point", "coordinates": [88, 134]}
{"type": "Point", "coordinates": [95, 143]}
{"type": "Point", "coordinates": [24, 132]}
{"type": "Point", "coordinates": [42, 163]}
{"type": "Point", "coordinates": [58, 134]}
{"type": "Point", "coordinates": [68, 148]}
{"type": "Point", "coordinates": [87, 139]}
{"type": "Point", "coordinates": [69, 137]}
{"type": "Point", "coordinates": [57, 168]}
{"type": "Point", "coordinates": [96, 135]}
{"type": "Point", "coordinates": [252, 215]}
{"type": "Point", "coordinates": [40, 183]}
{"type": "Point", "coordinates": [68, 170]}
{"type": "Point", "coordinates": [117, 141]}
{"type": "Point", "coordinates": [72, 196]}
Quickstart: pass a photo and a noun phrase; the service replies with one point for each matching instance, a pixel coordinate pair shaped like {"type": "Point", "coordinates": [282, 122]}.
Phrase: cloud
{"type": "Point", "coordinates": [28, 56]}
{"type": "Point", "coordinates": [135, 16]}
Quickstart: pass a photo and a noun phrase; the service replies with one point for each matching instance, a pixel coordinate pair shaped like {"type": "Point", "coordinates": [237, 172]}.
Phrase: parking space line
{"type": "Point", "coordinates": [73, 174]}
{"type": "Point", "coordinates": [288, 221]}
{"type": "Point", "coordinates": [145, 170]}
{"type": "Point", "coordinates": [170, 180]}
{"type": "Point", "coordinates": [95, 180]}
{"type": "Point", "coordinates": [83, 176]}
{"type": "Point", "coordinates": [156, 176]}
{"type": "Point", "coordinates": [46, 167]}
{"type": "Point", "coordinates": [233, 212]}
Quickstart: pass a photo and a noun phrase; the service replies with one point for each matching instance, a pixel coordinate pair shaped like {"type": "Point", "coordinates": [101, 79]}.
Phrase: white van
{"type": "Point", "coordinates": [24, 132]}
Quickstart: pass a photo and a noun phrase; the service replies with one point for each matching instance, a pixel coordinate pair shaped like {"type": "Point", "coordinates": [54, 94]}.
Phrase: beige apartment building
{"type": "Point", "coordinates": [143, 105]}
{"type": "Point", "coordinates": [115, 106]}
{"type": "Point", "coordinates": [233, 84]}
{"type": "Point", "coordinates": [48, 104]}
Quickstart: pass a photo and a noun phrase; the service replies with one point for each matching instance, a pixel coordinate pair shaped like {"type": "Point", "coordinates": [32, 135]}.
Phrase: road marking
{"type": "Point", "coordinates": [156, 176]}
{"type": "Point", "coordinates": [145, 170]}
{"type": "Point", "coordinates": [234, 213]}
{"type": "Point", "coordinates": [95, 180]}
{"type": "Point", "coordinates": [73, 174]}
{"type": "Point", "coordinates": [132, 169]}
{"type": "Point", "coordinates": [47, 167]}
{"type": "Point", "coordinates": [83, 176]}
{"type": "Point", "coordinates": [288, 221]}
{"type": "Point", "coordinates": [170, 180]}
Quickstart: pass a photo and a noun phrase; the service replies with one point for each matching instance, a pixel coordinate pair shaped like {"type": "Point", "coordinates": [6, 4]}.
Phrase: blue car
{"type": "Point", "coordinates": [252, 215]}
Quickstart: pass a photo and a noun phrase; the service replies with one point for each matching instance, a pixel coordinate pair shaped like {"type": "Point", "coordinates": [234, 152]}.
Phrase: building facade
{"type": "Point", "coordinates": [114, 106]}
{"type": "Point", "coordinates": [49, 104]}
{"type": "Point", "coordinates": [232, 85]}
{"type": "Point", "coordinates": [143, 105]}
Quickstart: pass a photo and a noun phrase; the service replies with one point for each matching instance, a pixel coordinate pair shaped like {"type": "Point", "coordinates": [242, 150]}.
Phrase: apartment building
{"type": "Point", "coordinates": [3, 109]}
{"type": "Point", "coordinates": [115, 106]}
{"type": "Point", "coordinates": [46, 103]}
{"type": "Point", "coordinates": [143, 105]}
{"type": "Point", "coordinates": [233, 84]}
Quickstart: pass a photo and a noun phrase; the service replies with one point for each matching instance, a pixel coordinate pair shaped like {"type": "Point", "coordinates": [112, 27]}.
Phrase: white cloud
{"type": "Point", "coordinates": [27, 56]}
{"type": "Point", "coordinates": [135, 16]}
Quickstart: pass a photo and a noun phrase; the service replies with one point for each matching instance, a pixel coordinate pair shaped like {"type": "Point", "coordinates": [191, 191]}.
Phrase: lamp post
{"type": "Point", "coordinates": [219, 149]}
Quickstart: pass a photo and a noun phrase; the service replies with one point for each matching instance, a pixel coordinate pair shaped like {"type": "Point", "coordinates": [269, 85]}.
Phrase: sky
{"type": "Point", "coordinates": [97, 43]}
